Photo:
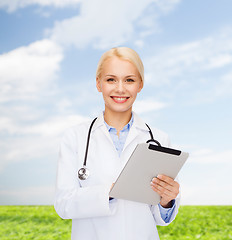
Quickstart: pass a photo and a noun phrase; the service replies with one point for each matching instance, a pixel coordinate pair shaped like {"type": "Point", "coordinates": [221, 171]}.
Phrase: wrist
{"type": "Point", "coordinates": [166, 204]}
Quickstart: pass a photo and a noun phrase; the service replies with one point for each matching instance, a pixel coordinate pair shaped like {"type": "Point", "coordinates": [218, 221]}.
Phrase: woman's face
{"type": "Point", "coordinates": [119, 83]}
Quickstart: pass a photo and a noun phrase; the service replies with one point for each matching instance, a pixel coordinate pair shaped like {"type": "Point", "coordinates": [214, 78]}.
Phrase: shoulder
{"type": "Point", "coordinates": [158, 134]}
{"type": "Point", "coordinates": [81, 130]}
{"type": "Point", "coordinates": [77, 131]}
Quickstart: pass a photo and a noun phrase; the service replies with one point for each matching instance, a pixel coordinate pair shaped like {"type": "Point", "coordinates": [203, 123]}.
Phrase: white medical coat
{"type": "Point", "coordinates": [86, 202]}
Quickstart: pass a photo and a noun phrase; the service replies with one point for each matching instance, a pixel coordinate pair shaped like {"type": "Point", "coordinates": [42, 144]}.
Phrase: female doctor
{"type": "Point", "coordinates": [113, 137]}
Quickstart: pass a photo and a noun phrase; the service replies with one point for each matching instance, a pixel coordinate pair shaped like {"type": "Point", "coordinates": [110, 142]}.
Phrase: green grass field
{"type": "Point", "coordinates": [42, 223]}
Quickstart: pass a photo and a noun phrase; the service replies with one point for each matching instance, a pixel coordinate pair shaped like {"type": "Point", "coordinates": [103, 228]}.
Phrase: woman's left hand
{"type": "Point", "coordinates": [167, 188]}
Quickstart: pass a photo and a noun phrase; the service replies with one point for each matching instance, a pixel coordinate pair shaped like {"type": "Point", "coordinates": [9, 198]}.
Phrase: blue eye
{"type": "Point", "coordinates": [130, 80]}
{"type": "Point", "coordinates": [110, 80]}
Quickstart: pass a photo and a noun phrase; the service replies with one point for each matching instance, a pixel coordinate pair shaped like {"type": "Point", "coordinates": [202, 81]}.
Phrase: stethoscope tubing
{"type": "Point", "coordinates": [88, 139]}
{"type": "Point", "coordinates": [83, 173]}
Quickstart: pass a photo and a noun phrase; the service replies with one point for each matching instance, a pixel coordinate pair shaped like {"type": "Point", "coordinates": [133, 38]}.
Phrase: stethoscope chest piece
{"type": "Point", "coordinates": [83, 173]}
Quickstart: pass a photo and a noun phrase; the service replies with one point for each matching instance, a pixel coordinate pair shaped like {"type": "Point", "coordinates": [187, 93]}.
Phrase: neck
{"type": "Point", "coordinates": [117, 119]}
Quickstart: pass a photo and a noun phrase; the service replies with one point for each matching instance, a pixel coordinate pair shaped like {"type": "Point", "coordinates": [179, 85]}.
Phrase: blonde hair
{"type": "Point", "coordinates": [124, 53]}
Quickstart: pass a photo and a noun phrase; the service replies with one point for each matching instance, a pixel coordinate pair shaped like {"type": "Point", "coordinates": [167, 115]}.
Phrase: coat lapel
{"type": "Point", "coordinates": [133, 133]}
{"type": "Point", "coordinates": [135, 130]}
{"type": "Point", "coordinates": [100, 124]}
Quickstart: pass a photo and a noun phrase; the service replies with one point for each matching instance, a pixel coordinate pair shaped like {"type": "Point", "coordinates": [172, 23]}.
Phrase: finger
{"type": "Point", "coordinates": [161, 190]}
{"type": "Point", "coordinates": [167, 195]}
{"type": "Point", "coordinates": [168, 190]}
{"type": "Point", "coordinates": [166, 179]}
{"type": "Point", "coordinates": [161, 183]}
{"type": "Point", "coordinates": [172, 188]}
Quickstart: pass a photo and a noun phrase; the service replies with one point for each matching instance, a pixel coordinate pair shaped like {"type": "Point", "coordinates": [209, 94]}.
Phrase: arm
{"type": "Point", "coordinates": [72, 200]}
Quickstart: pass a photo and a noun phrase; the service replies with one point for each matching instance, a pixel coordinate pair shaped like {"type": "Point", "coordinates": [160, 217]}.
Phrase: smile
{"type": "Point", "coordinates": [120, 99]}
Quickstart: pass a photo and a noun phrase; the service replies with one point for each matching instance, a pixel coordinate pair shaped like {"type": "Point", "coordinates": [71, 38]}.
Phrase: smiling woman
{"type": "Point", "coordinates": [115, 133]}
{"type": "Point", "coordinates": [119, 76]}
{"type": "Point", "coordinates": [119, 83]}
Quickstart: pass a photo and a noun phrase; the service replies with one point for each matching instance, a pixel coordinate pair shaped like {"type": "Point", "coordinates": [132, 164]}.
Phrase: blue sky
{"type": "Point", "coordinates": [48, 56]}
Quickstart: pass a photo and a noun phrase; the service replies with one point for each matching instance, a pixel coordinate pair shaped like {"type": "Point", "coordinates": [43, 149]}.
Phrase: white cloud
{"type": "Point", "coordinates": [167, 5]}
{"type": "Point", "coordinates": [101, 23]}
{"type": "Point", "coordinates": [50, 127]}
{"type": "Point", "coordinates": [224, 88]}
{"type": "Point", "coordinates": [28, 195]}
{"type": "Point", "coordinates": [27, 70]}
{"type": "Point", "coordinates": [14, 5]}
{"type": "Point", "coordinates": [208, 156]}
{"type": "Point", "coordinates": [211, 192]}
{"type": "Point", "coordinates": [199, 71]}
{"type": "Point", "coordinates": [54, 126]}
{"type": "Point", "coordinates": [139, 43]}
{"type": "Point", "coordinates": [205, 178]}
{"type": "Point", "coordinates": [106, 23]}
{"type": "Point", "coordinates": [33, 140]}
{"type": "Point", "coordinates": [27, 148]}
{"type": "Point", "coordinates": [179, 62]}
{"type": "Point", "coordinates": [219, 61]}
{"type": "Point", "coordinates": [148, 105]}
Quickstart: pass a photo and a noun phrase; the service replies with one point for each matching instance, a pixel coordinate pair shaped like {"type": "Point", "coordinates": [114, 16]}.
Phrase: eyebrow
{"type": "Point", "coordinates": [111, 75]}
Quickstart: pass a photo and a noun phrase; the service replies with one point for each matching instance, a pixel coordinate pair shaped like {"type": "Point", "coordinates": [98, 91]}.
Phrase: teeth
{"type": "Point", "coordinates": [120, 99]}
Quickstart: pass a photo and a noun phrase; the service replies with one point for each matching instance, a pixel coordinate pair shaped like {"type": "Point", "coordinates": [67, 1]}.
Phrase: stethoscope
{"type": "Point", "coordinates": [83, 173]}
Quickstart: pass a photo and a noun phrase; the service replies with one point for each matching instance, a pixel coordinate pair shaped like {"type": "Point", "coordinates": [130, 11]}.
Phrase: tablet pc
{"type": "Point", "coordinates": [146, 162]}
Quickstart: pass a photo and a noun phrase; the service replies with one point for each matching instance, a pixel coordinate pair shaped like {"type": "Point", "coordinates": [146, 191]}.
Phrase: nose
{"type": "Point", "coordinates": [120, 87]}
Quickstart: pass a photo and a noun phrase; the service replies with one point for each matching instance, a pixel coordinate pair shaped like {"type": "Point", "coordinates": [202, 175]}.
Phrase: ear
{"type": "Point", "coordinates": [140, 86]}
{"type": "Point", "coordinates": [98, 84]}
